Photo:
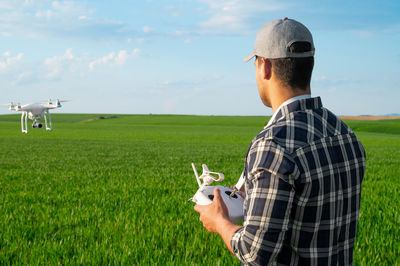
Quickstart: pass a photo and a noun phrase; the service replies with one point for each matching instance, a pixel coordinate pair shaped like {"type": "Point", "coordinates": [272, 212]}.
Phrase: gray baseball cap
{"type": "Point", "coordinates": [274, 39]}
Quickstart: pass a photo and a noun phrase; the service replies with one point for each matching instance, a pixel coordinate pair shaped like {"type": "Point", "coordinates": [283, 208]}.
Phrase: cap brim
{"type": "Point", "coordinates": [249, 57]}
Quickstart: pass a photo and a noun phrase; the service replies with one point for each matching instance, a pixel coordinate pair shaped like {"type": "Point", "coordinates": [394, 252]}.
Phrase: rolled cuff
{"type": "Point", "coordinates": [235, 242]}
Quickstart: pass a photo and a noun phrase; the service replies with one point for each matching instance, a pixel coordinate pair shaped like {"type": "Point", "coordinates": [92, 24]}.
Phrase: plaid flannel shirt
{"type": "Point", "coordinates": [303, 177]}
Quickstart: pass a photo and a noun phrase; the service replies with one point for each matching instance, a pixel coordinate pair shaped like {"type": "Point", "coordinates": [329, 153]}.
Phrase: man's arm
{"type": "Point", "coordinates": [268, 203]}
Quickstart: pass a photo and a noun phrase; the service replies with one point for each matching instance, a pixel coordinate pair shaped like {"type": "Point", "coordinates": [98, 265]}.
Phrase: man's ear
{"type": "Point", "coordinates": [267, 68]}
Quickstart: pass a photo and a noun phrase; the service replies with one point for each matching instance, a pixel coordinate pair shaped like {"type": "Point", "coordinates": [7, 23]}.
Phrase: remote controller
{"type": "Point", "coordinates": [205, 194]}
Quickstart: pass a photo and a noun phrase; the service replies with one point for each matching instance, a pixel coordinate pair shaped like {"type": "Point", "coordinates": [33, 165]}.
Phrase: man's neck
{"type": "Point", "coordinates": [282, 95]}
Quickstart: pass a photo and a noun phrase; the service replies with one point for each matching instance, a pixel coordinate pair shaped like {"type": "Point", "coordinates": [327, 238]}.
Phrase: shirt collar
{"type": "Point", "coordinates": [293, 99]}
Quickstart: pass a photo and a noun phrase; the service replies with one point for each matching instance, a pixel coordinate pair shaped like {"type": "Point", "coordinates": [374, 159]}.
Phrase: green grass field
{"type": "Point", "coordinates": [116, 190]}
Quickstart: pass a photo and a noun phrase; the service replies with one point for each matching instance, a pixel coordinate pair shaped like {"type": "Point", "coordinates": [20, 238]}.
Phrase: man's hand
{"type": "Point", "coordinates": [215, 218]}
{"type": "Point", "coordinates": [214, 214]}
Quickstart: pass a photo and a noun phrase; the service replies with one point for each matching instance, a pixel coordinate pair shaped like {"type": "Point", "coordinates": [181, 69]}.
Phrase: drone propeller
{"type": "Point", "coordinates": [13, 106]}
{"type": "Point", "coordinates": [50, 101]}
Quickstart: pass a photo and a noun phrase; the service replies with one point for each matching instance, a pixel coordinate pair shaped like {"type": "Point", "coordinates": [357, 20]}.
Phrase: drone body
{"type": "Point", "coordinates": [35, 112]}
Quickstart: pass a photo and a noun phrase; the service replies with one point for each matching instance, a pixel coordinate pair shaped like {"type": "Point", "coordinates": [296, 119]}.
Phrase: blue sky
{"type": "Point", "coordinates": [186, 56]}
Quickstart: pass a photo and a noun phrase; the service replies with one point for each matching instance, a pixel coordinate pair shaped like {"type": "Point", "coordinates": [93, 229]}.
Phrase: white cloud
{"type": "Point", "coordinates": [233, 16]}
{"type": "Point", "coordinates": [67, 65]}
{"type": "Point", "coordinates": [15, 4]}
{"type": "Point", "coordinates": [57, 64]}
{"type": "Point", "coordinates": [22, 77]}
{"type": "Point", "coordinates": [101, 61]}
{"type": "Point", "coordinates": [113, 59]}
{"type": "Point", "coordinates": [121, 57]}
{"type": "Point", "coordinates": [28, 2]}
{"type": "Point", "coordinates": [65, 13]}
{"type": "Point", "coordinates": [9, 61]}
{"type": "Point", "coordinates": [57, 19]}
{"type": "Point", "coordinates": [47, 14]}
{"type": "Point", "coordinates": [147, 29]}
{"type": "Point", "coordinates": [136, 52]}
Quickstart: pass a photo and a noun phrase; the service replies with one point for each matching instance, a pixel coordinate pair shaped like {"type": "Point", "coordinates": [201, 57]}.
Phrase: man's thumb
{"type": "Point", "coordinates": [218, 199]}
{"type": "Point", "coordinates": [217, 193]}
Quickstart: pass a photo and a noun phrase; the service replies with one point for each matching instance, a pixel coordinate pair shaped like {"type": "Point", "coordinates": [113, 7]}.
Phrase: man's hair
{"type": "Point", "coordinates": [294, 72]}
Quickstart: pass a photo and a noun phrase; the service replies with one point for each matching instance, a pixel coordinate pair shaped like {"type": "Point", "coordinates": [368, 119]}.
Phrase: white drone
{"type": "Point", "coordinates": [35, 112]}
{"type": "Point", "coordinates": [205, 193]}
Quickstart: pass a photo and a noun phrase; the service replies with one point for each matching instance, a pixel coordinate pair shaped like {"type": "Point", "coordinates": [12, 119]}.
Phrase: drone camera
{"type": "Point", "coordinates": [37, 125]}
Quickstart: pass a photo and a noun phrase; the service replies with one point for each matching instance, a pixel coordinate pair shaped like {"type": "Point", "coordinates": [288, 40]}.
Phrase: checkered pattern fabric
{"type": "Point", "coordinates": [303, 186]}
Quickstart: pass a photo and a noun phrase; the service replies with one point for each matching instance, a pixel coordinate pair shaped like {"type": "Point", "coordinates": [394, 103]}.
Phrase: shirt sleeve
{"type": "Point", "coordinates": [267, 206]}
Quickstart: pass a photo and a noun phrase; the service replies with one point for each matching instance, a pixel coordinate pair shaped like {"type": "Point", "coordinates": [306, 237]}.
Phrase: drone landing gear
{"type": "Point", "coordinates": [24, 128]}
{"type": "Point", "coordinates": [45, 121]}
{"type": "Point", "coordinates": [36, 121]}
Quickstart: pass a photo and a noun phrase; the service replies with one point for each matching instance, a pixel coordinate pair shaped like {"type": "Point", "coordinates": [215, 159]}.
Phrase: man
{"type": "Point", "coordinates": [303, 172]}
